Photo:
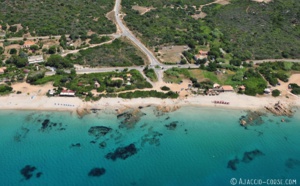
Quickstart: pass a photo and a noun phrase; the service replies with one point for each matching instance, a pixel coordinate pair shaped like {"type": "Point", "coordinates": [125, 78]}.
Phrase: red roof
{"type": "Point", "coordinates": [67, 91]}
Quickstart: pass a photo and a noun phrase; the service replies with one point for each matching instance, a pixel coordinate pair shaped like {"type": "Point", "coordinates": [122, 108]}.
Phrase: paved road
{"type": "Point", "coordinates": [127, 33]}
{"type": "Point", "coordinates": [275, 60]}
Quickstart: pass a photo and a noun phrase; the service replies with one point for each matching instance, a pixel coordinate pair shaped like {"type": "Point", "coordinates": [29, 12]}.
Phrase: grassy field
{"type": "Point", "coordinates": [56, 17]}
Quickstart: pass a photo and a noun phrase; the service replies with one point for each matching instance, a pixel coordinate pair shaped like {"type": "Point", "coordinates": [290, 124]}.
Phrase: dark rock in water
{"type": "Point", "coordinates": [152, 137]}
{"type": "Point", "coordinates": [96, 172]}
{"type": "Point", "coordinates": [45, 123]}
{"type": "Point", "coordinates": [99, 131]}
{"type": "Point", "coordinates": [39, 174]}
{"type": "Point", "coordinates": [122, 152]}
{"type": "Point", "coordinates": [167, 118]}
{"type": "Point", "coordinates": [130, 118]}
{"type": "Point", "coordinates": [232, 164]}
{"type": "Point", "coordinates": [92, 142]}
{"type": "Point", "coordinates": [75, 145]}
{"type": "Point", "coordinates": [21, 134]}
{"type": "Point", "coordinates": [252, 118]}
{"type": "Point", "coordinates": [249, 156]}
{"type": "Point", "coordinates": [27, 171]}
{"type": "Point", "coordinates": [102, 144]}
{"type": "Point", "coordinates": [172, 125]}
{"type": "Point", "coordinates": [292, 163]}
{"type": "Point", "coordinates": [140, 107]}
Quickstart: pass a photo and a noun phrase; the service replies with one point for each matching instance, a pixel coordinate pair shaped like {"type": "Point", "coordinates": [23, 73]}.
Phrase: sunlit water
{"type": "Point", "coordinates": [196, 152]}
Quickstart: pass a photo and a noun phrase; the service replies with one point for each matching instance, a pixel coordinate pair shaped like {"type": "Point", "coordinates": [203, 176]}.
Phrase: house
{"type": "Point", "coordinates": [216, 86]}
{"type": "Point", "coordinates": [27, 44]}
{"type": "Point", "coordinates": [67, 92]}
{"type": "Point", "coordinates": [198, 56]}
{"type": "Point", "coordinates": [203, 53]}
{"type": "Point", "coordinates": [242, 88]}
{"type": "Point", "coordinates": [35, 59]}
{"type": "Point", "coordinates": [128, 75]}
{"type": "Point", "coordinates": [2, 70]}
{"type": "Point", "coordinates": [96, 84]}
{"type": "Point", "coordinates": [227, 88]}
{"type": "Point", "coordinates": [51, 92]}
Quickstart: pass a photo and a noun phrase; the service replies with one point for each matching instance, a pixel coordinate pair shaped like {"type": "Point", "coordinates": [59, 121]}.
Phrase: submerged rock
{"type": "Point", "coordinates": [27, 171]}
{"type": "Point", "coordinates": [99, 131]}
{"type": "Point", "coordinates": [292, 163]}
{"type": "Point", "coordinates": [172, 125]}
{"type": "Point", "coordinates": [96, 172]}
{"type": "Point", "coordinates": [152, 137]}
{"type": "Point", "coordinates": [232, 163]}
{"type": "Point", "coordinates": [102, 144]}
{"type": "Point", "coordinates": [75, 145]}
{"type": "Point", "coordinates": [130, 118]}
{"type": "Point", "coordinates": [122, 152]}
{"type": "Point", "coordinates": [21, 134]}
{"type": "Point", "coordinates": [249, 156]}
{"type": "Point", "coordinates": [252, 118]}
{"type": "Point", "coordinates": [45, 124]}
{"type": "Point", "coordinates": [39, 174]}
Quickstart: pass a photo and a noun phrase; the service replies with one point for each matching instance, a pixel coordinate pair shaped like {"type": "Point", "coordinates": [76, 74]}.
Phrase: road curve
{"type": "Point", "coordinates": [127, 33]}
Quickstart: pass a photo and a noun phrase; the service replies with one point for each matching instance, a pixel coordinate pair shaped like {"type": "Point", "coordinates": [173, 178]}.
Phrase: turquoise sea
{"type": "Point", "coordinates": [191, 146]}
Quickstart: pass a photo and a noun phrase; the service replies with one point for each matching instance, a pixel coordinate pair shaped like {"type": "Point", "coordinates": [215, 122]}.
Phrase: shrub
{"type": "Point", "coordinates": [275, 93]}
{"type": "Point", "coordinates": [165, 88]}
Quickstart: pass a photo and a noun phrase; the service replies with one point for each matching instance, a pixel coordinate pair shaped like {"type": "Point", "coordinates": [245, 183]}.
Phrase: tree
{"type": "Point", "coordinates": [13, 28]}
{"type": "Point", "coordinates": [17, 60]}
{"type": "Point", "coordinates": [275, 93]}
{"type": "Point", "coordinates": [34, 47]}
{"type": "Point", "coordinates": [13, 51]}
{"type": "Point", "coordinates": [52, 50]}
{"type": "Point", "coordinates": [58, 62]}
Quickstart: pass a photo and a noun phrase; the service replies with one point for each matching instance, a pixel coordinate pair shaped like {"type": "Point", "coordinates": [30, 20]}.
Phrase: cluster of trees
{"type": "Point", "coordinates": [274, 71]}
{"type": "Point", "coordinates": [150, 73]}
{"type": "Point", "coordinates": [145, 94]}
{"type": "Point", "coordinates": [295, 88]}
{"type": "Point", "coordinates": [17, 60]}
{"type": "Point", "coordinates": [34, 76]}
{"type": "Point", "coordinates": [254, 82]}
{"type": "Point", "coordinates": [4, 89]}
{"type": "Point", "coordinates": [58, 17]}
{"type": "Point", "coordinates": [58, 62]}
{"type": "Point", "coordinates": [247, 33]}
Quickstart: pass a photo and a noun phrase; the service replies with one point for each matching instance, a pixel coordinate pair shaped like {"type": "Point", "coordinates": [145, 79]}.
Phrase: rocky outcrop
{"type": "Point", "coordinates": [280, 109]}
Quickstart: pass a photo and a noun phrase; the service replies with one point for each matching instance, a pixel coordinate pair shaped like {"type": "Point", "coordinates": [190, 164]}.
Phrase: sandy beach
{"type": "Point", "coordinates": [236, 101]}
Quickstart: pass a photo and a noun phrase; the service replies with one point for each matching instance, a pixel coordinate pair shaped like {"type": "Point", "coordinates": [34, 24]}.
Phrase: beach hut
{"type": "Point", "coordinates": [227, 88]}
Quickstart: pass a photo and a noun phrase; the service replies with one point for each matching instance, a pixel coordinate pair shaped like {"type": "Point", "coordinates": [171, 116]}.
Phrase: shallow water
{"type": "Point", "coordinates": [195, 152]}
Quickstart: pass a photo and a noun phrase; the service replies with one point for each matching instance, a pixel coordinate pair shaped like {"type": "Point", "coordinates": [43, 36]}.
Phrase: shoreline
{"type": "Point", "coordinates": [74, 104]}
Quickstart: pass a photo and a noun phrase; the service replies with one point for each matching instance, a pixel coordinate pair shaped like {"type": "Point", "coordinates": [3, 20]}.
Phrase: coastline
{"type": "Point", "coordinates": [73, 104]}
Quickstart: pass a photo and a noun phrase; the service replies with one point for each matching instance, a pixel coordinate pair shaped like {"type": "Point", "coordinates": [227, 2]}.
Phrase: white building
{"type": "Point", "coordinates": [35, 59]}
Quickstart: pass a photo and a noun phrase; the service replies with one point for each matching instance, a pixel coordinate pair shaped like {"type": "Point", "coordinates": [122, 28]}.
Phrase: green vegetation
{"type": "Point", "coordinates": [276, 70]}
{"type": "Point", "coordinates": [169, 23]}
{"type": "Point", "coordinates": [57, 17]}
{"type": "Point", "coordinates": [17, 60]}
{"type": "Point", "coordinates": [96, 40]}
{"type": "Point", "coordinates": [110, 82]}
{"type": "Point", "coordinates": [295, 88]}
{"type": "Point", "coordinates": [4, 89]}
{"type": "Point", "coordinates": [145, 94]}
{"type": "Point", "coordinates": [58, 62]}
{"type": "Point", "coordinates": [175, 75]}
{"type": "Point", "coordinates": [119, 53]}
{"type": "Point", "coordinates": [150, 73]}
{"type": "Point", "coordinates": [275, 93]}
{"type": "Point", "coordinates": [34, 76]}
{"type": "Point", "coordinates": [256, 30]}
{"type": "Point", "coordinates": [254, 83]}
{"type": "Point", "coordinates": [165, 88]}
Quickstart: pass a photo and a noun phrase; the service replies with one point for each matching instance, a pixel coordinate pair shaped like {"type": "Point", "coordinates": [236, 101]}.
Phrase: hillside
{"type": "Point", "coordinates": [56, 17]}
